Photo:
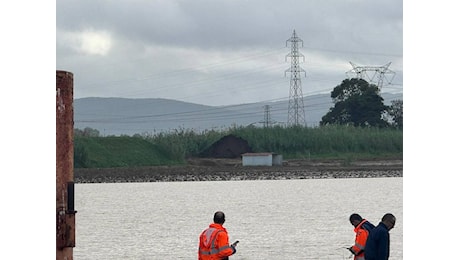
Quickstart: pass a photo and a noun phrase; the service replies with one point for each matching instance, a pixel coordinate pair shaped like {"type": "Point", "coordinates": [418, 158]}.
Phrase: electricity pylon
{"type": "Point", "coordinates": [296, 113]}
{"type": "Point", "coordinates": [267, 119]}
{"type": "Point", "coordinates": [378, 77]}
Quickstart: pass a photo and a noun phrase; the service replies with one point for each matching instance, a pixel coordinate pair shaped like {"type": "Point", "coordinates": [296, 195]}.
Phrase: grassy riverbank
{"type": "Point", "coordinates": [332, 142]}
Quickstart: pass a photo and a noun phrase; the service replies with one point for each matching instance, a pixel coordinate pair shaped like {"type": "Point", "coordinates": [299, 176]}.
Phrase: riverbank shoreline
{"type": "Point", "coordinates": [232, 170]}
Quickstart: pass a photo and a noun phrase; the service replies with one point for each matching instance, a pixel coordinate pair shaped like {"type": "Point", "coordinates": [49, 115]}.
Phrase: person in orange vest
{"type": "Point", "coordinates": [214, 241]}
{"type": "Point", "coordinates": [362, 229]}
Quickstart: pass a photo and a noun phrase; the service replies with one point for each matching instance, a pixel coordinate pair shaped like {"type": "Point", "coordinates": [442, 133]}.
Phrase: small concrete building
{"type": "Point", "coordinates": [262, 159]}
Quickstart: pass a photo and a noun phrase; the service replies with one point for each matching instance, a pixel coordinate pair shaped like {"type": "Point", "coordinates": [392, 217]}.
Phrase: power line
{"type": "Point", "coordinates": [207, 113]}
{"type": "Point", "coordinates": [203, 115]}
{"type": "Point", "coordinates": [238, 60]}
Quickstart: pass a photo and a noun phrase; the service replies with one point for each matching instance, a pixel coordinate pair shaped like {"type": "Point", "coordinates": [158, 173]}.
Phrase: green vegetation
{"type": "Point", "coordinates": [331, 141]}
{"type": "Point", "coordinates": [326, 142]}
{"type": "Point", "coordinates": [104, 152]}
{"type": "Point", "coordinates": [358, 103]}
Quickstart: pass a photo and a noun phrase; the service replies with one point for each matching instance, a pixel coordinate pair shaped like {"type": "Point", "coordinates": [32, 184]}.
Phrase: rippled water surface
{"type": "Point", "coordinates": [276, 219]}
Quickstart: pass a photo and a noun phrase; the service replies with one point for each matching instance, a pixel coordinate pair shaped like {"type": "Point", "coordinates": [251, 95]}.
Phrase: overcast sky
{"type": "Point", "coordinates": [222, 52]}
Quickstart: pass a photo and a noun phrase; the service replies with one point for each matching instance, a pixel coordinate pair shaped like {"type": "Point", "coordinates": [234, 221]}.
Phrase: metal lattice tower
{"type": "Point", "coordinates": [296, 113]}
{"type": "Point", "coordinates": [378, 77]}
{"type": "Point", "coordinates": [267, 119]}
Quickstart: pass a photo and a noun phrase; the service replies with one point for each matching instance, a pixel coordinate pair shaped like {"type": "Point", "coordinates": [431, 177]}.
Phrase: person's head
{"type": "Point", "coordinates": [219, 217]}
{"type": "Point", "coordinates": [389, 220]}
{"type": "Point", "coordinates": [355, 219]}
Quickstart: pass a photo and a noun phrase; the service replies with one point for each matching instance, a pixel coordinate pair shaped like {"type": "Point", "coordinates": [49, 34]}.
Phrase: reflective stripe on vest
{"type": "Point", "coordinates": [214, 251]}
{"type": "Point", "coordinates": [361, 247]}
{"type": "Point", "coordinates": [210, 242]}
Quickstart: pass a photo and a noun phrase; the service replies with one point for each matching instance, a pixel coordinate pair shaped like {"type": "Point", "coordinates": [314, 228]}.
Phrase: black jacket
{"type": "Point", "coordinates": [378, 243]}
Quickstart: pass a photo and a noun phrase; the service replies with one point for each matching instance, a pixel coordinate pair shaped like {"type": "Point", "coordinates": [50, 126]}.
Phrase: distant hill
{"type": "Point", "coordinates": [123, 116]}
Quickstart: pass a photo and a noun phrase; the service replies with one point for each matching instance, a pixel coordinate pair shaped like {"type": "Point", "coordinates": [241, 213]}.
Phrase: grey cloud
{"type": "Point", "coordinates": [230, 24]}
{"type": "Point", "coordinates": [335, 31]}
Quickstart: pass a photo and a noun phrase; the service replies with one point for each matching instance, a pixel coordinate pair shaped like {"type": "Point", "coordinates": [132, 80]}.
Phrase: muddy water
{"type": "Point", "coordinates": [272, 219]}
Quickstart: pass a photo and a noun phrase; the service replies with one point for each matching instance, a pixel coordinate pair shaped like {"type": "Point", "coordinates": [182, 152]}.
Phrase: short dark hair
{"type": "Point", "coordinates": [389, 218]}
{"type": "Point", "coordinates": [219, 217]}
{"type": "Point", "coordinates": [355, 216]}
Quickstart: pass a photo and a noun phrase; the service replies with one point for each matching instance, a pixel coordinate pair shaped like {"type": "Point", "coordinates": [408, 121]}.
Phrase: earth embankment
{"type": "Point", "coordinates": [231, 169]}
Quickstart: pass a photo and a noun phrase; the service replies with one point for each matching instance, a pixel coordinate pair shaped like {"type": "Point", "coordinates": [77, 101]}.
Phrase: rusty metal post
{"type": "Point", "coordinates": [65, 212]}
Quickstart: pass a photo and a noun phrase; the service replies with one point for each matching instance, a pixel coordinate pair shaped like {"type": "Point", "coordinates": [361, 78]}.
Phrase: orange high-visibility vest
{"type": "Point", "coordinates": [360, 241]}
{"type": "Point", "coordinates": [214, 243]}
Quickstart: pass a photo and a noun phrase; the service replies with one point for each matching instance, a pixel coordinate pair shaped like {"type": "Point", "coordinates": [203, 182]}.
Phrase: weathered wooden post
{"type": "Point", "coordinates": [65, 211]}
